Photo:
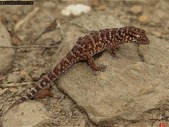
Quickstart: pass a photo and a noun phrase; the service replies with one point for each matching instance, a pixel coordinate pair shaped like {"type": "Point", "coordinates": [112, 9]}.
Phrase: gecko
{"type": "Point", "coordinates": [84, 50]}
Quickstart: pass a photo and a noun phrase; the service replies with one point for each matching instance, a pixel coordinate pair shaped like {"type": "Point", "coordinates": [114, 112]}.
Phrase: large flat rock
{"type": "Point", "coordinates": [6, 54]}
{"type": "Point", "coordinates": [128, 88]}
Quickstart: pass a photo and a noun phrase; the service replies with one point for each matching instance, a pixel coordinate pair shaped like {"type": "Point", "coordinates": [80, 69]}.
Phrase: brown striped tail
{"type": "Point", "coordinates": [59, 69]}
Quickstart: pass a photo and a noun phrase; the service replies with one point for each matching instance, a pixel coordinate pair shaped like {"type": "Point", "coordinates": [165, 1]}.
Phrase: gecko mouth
{"type": "Point", "coordinates": [143, 42]}
{"type": "Point", "coordinates": [136, 42]}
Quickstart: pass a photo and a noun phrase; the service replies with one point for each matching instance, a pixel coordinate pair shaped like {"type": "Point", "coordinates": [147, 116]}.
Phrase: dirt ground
{"type": "Point", "coordinates": [34, 53]}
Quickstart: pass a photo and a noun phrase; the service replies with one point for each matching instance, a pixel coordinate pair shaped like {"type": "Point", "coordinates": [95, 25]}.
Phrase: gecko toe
{"type": "Point", "coordinates": [100, 68]}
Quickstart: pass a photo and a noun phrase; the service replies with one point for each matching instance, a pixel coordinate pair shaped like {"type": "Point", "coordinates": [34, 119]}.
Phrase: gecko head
{"type": "Point", "coordinates": [136, 35]}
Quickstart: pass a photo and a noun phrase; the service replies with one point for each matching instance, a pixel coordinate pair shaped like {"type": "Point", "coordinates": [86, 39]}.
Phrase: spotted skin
{"type": "Point", "coordinates": [84, 50]}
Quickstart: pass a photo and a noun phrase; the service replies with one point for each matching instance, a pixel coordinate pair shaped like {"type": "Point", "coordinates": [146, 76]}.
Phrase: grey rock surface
{"type": "Point", "coordinates": [128, 88]}
{"type": "Point", "coordinates": [25, 115]}
{"type": "Point", "coordinates": [6, 54]}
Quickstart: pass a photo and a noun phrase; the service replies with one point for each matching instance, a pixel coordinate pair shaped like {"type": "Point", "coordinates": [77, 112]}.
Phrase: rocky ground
{"type": "Point", "coordinates": [132, 92]}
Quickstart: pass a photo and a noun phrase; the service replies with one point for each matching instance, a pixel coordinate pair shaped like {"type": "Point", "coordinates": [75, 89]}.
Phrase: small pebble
{"type": "Point", "coordinates": [14, 78]}
{"type": "Point", "coordinates": [144, 19]}
{"type": "Point", "coordinates": [156, 33]}
{"type": "Point", "coordinates": [13, 90]}
{"type": "Point", "coordinates": [75, 9]}
{"type": "Point", "coordinates": [136, 9]}
{"type": "Point", "coordinates": [138, 66]}
{"type": "Point", "coordinates": [101, 7]}
{"type": "Point", "coordinates": [2, 77]}
{"type": "Point", "coordinates": [15, 18]}
{"type": "Point", "coordinates": [58, 110]}
{"type": "Point", "coordinates": [36, 75]}
{"type": "Point", "coordinates": [24, 75]}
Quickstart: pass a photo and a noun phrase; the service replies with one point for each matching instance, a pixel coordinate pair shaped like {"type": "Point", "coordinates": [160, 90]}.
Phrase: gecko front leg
{"type": "Point", "coordinates": [92, 64]}
{"type": "Point", "coordinates": [113, 49]}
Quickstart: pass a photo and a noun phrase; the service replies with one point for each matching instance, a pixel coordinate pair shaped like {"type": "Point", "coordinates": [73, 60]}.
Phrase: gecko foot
{"type": "Point", "coordinates": [115, 56]}
{"type": "Point", "coordinates": [99, 68]}
{"type": "Point", "coordinates": [113, 52]}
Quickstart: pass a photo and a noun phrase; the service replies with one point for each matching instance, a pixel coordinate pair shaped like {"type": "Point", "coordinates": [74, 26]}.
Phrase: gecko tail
{"type": "Point", "coordinates": [45, 82]}
{"type": "Point", "coordinates": [30, 95]}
